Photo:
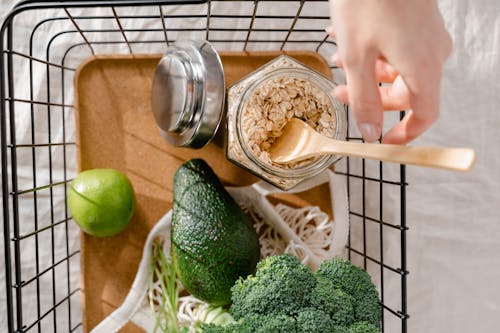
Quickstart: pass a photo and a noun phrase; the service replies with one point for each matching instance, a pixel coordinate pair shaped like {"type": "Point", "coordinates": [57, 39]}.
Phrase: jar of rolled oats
{"type": "Point", "coordinates": [260, 105]}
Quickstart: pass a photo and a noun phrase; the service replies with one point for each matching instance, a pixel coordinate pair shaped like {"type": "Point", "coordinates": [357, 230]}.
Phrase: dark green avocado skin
{"type": "Point", "coordinates": [213, 240]}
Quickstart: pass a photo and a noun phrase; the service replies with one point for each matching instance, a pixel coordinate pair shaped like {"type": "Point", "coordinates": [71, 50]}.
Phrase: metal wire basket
{"type": "Point", "coordinates": [42, 43]}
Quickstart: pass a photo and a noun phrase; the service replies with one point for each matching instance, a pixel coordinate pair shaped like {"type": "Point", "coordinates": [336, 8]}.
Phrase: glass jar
{"type": "Point", "coordinates": [281, 74]}
{"type": "Point", "coordinates": [188, 100]}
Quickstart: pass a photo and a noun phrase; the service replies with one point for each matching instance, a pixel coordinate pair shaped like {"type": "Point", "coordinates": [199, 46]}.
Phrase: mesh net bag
{"type": "Point", "coordinates": [306, 232]}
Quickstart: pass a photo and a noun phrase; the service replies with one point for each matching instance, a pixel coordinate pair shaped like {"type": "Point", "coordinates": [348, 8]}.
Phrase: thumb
{"type": "Point", "coordinates": [364, 97]}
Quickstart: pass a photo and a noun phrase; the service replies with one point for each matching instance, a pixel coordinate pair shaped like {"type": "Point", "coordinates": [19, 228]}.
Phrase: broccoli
{"type": "Point", "coordinates": [256, 324]}
{"type": "Point", "coordinates": [336, 303]}
{"type": "Point", "coordinates": [312, 320]}
{"type": "Point", "coordinates": [363, 327]}
{"type": "Point", "coordinates": [268, 324]}
{"type": "Point", "coordinates": [357, 283]}
{"type": "Point", "coordinates": [281, 285]}
{"type": "Point", "coordinates": [212, 328]}
{"type": "Point", "coordinates": [286, 296]}
{"type": "Point", "coordinates": [340, 329]}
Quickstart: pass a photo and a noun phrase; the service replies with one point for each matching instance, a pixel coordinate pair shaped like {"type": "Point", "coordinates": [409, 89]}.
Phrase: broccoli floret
{"type": "Point", "coordinates": [312, 320]}
{"type": "Point", "coordinates": [363, 327]}
{"type": "Point", "coordinates": [256, 324]}
{"type": "Point", "coordinates": [268, 324]}
{"type": "Point", "coordinates": [212, 328]}
{"type": "Point", "coordinates": [357, 283]}
{"type": "Point", "coordinates": [236, 327]}
{"type": "Point", "coordinates": [281, 285]}
{"type": "Point", "coordinates": [336, 303]}
{"type": "Point", "coordinates": [340, 329]}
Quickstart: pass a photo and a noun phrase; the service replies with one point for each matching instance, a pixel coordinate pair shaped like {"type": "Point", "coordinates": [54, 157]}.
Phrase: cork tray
{"type": "Point", "coordinates": [116, 129]}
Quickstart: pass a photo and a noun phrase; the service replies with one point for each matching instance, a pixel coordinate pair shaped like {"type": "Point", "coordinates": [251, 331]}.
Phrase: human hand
{"type": "Point", "coordinates": [403, 42]}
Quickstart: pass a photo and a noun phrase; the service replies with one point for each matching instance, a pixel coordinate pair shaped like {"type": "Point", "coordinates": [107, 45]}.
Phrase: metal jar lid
{"type": "Point", "coordinates": [188, 93]}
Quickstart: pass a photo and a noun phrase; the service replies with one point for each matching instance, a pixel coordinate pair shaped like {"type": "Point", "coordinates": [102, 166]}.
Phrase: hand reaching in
{"type": "Point", "coordinates": [402, 42]}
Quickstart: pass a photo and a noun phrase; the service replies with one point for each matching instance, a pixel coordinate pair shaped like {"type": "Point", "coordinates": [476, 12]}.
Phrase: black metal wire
{"type": "Point", "coordinates": [121, 29]}
{"type": "Point", "coordinates": [385, 181]}
{"type": "Point", "coordinates": [51, 310]}
{"type": "Point", "coordinates": [79, 30]}
{"type": "Point", "coordinates": [295, 19]}
{"type": "Point", "coordinates": [13, 170]}
{"type": "Point", "coordinates": [27, 101]}
{"type": "Point", "coordinates": [348, 181]}
{"type": "Point", "coordinates": [396, 313]}
{"type": "Point", "coordinates": [51, 188]}
{"type": "Point", "coordinates": [31, 58]}
{"type": "Point", "coordinates": [396, 270]}
{"type": "Point", "coordinates": [195, 30]}
{"type": "Point", "coordinates": [38, 231]}
{"type": "Point", "coordinates": [404, 318]}
{"type": "Point", "coordinates": [86, 38]}
{"type": "Point", "coordinates": [201, 16]}
{"type": "Point", "coordinates": [162, 16]}
{"type": "Point", "coordinates": [209, 14]}
{"type": "Point", "coordinates": [250, 28]}
{"type": "Point", "coordinates": [36, 189]}
{"type": "Point", "coordinates": [381, 241]}
{"type": "Point", "coordinates": [38, 145]}
{"type": "Point", "coordinates": [363, 217]}
{"type": "Point", "coordinates": [380, 222]}
{"type": "Point", "coordinates": [65, 177]}
{"type": "Point", "coordinates": [323, 42]}
{"type": "Point", "coordinates": [6, 27]}
{"type": "Point", "coordinates": [35, 194]}
{"type": "Point", "coordinates": [45, 271]}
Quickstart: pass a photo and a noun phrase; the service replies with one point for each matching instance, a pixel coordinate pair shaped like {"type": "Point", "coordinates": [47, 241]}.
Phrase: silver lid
{"type": "Point", "coordinates": [188, 93]}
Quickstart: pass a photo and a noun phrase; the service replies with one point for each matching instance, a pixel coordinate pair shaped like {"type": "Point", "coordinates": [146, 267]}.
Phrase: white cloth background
{"type": "Point", "coordinates": [454, 237]}
{"type": "Point", "coordinates": [455, 227]}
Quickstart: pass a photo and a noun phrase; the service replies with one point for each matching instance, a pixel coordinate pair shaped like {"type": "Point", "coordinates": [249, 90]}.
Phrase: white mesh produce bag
{"type": "Point", "coordinates": [307, 232]}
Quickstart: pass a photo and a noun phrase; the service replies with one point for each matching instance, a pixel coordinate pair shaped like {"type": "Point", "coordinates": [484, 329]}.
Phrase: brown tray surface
{"type": "Point", "coordinates": [116, 129]}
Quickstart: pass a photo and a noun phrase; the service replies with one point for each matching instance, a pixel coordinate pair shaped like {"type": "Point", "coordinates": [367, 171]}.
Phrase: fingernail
{"type": "Point", "coordinates": [369, 131]}
{"type": "Point", "coordinates": [329, 29]}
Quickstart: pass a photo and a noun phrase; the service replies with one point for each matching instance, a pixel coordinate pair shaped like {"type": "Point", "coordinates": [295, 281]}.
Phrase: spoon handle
{"type": "Point", "coordinates": [458, 159]}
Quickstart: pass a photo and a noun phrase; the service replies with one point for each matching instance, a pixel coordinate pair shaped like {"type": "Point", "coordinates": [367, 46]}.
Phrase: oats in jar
{"type": "Point", "coordinates": [276, 101]}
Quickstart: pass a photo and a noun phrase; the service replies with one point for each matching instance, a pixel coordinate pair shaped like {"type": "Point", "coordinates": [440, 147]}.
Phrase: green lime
{"type": "Point", "coordinates": [101, 201]}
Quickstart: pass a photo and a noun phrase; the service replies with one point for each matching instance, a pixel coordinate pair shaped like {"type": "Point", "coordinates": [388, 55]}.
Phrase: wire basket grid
{"type": "Point", "coordinates": [43, 43]}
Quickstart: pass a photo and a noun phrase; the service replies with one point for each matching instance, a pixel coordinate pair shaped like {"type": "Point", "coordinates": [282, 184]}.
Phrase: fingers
{"type": "Point", "coordinates": [424, 90]}
{"type": "Point", "coordinates": [384, 72]}
{"type": "Point", "coordinates": [362, 86]}
{"type": "Point", "coordinates": [408, 129]}
{"type": "Point", "coordinates": [412, 37]}
{"type": "Point", "coordinates": [364, 96]}
{"type": "Point", "coordinates": [392, 99]}
{"type": "Point", "coordinates": [425, 106]}
{"type": "Point", "coordinates": [424, 102]}
{"type": "Point", "coordinates": [421, 96]}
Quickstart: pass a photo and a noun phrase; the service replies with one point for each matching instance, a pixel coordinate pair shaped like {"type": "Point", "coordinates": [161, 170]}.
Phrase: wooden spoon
{"type": "Point", "coordinates": [299, 141]}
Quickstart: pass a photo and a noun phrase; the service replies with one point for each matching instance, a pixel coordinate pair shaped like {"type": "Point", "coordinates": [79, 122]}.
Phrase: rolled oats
{"type": "Point", "coordinates": [276, 101]}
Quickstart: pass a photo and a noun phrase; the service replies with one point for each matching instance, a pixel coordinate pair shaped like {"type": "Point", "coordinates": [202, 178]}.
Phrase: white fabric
{"type": "Point", "coordinates": [453, 241]}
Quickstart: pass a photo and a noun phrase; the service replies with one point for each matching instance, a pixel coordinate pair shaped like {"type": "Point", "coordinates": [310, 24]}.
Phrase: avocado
{"type": "Point", "coordinates": [213, 240]}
